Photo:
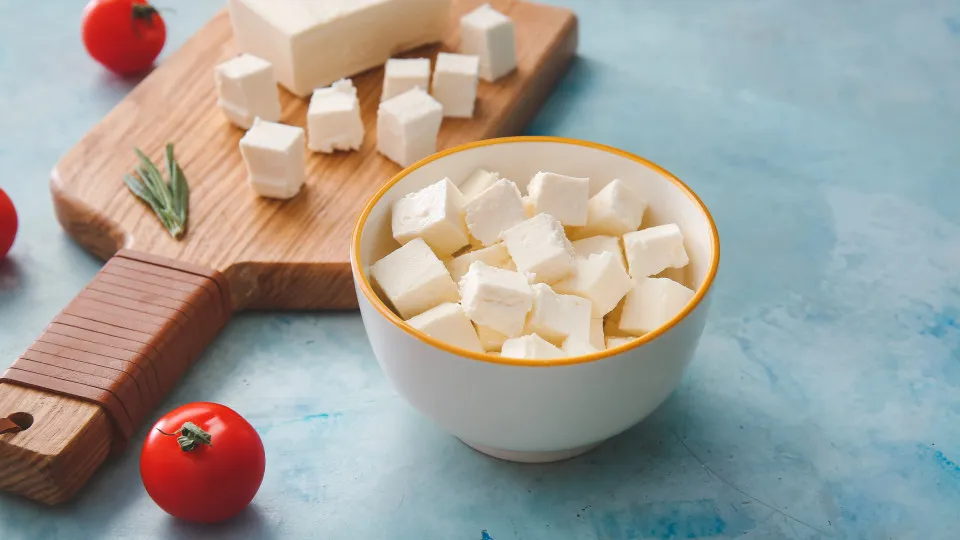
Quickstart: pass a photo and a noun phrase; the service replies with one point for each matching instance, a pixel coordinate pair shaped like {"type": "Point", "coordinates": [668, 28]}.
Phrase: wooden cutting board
{"type": "Point", "coordinates": [159, 302]}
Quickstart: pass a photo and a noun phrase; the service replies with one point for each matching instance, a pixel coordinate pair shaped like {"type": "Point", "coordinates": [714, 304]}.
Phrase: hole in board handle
{"type": "Point", "coordinates": [16, 422]}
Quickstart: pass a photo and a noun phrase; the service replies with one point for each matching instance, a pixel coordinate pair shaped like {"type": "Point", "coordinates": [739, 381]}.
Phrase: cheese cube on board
{"type": "Point", "coordinates": [448, 323]}
{"type": "Point", "coordinates": [313, 43]}
{"type": "Point", "coordinates": [247, 89]}
{"type": "Point", "coordinates": [614, 341]}
{"type": "Point", "coordinates": [653, 250]}
{"type": "Point", "coordinates": [563, 197]}
{"type": "Point", "coordinates": [540, 246]}
{"type": "Point", "coordinates": [598, 244]}
{"type": "Point", "coordinates": [599, 278]}
{"type": "Point", "coordinates": [333, 119]}
{"type": "Point", "coordinates": [489, 34]}
{"type": "Point", "coordinates": [531, 346]}
{"type": "Point", "coordinates": [596, 334]}
{"type": "Point", "coordinates": [413, 279]}
{"type": "Point", "coordinates": [651, 303]}
{"type": "Point", "coordinates": [495, 255]}
{"type": "Point", "coordinates": [496, 298]}
{"type": "Point", "coordinates": [494, 210]}
{"type": "Point", "coordinates": [274, 157]}
{"type": "Point", "coordinates": [402, 74]}
{"type": "Point", "coordinates": [576, 347]}
{"type": "Point", "coordinates": [490, 339]}
{"type": "Point", "coordinates": [480, 180]}
{"type": "Point", "coordinates": [615, 210]}
{"type": "Point", "coordinates": [407, 126]}
{"type": "Point", "coordinates": [435, 213]}
{"type": "Point", "coordinates": [455, 82]}
{"type": "Point", "coordinates": [555, 317]}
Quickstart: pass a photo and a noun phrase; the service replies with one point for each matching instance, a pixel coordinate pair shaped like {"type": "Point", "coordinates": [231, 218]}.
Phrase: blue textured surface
{"type": "Point", "coordinates": [824, 401]}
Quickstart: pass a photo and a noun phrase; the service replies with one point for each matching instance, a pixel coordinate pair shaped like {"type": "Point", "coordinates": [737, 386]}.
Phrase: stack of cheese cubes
{"type": "Point", "coordinates": [485, 269]}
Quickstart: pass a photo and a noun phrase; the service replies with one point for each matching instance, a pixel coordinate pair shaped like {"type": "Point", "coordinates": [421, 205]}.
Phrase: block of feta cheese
{"type": "Point", "coordinates": [615, 210]}
{"type": "Point", "coordinates": [600, 279]}
{"type": "Point", "coordinates": [407, 126]}
{"type": "Point", "coordinates": [496, 298]}
{"type": "Point", "coordinates": [563, 197]}
{"type": "Point", "coordinates": [530, 346]}
{"type": "Point", "coordinates": [489, 34]}
{"type": "Point", "coordinates": [402, 74]}
{"type": "Point", "coordinates": [577, 347]}
{"type": "Point", "coordinates": [413, 279]}
{"type": "Point", "coordinates": [435, 213]}
{"type": "Point", "coordinates": [480, 180]}
{"type": "Point", "coordinates": [312, 43]}
{"type": "Point", "coordinates": [494, 210]}
{"type": "Point", "coordinates": [490, 339]}
{"type": "Point", "coordinates": [455, 80]}
{"type": "Point", "coordinates": [528, 207]}
{"type": "Point", "coordinates": [653, 250]}
{"type": "Point", "coordinates": [495, 255]}
{"type": "Point", "coordinates": [333, 119]}
{"type": "Point", "coordinates": [651, 303]}
{"type": "Point", "coordinates": [593, 245]}
{"type": "Point", "coordinates": [615, 341]}
{"type": "Point", "coordinates": [247, 89]}
{"type": "Point", "coordinates": [539, 246]}
{"type": "Point", "coordinates": [274, 157]}
{"type": "Point", "coordinates": [448, 323]}
{"type": "Point", "coordinates": [555, 317]}
{"type": "Point", "coordinates": [596, 334]}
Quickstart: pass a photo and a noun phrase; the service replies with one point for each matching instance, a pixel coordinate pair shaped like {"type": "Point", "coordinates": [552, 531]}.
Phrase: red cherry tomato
{"type": "Point", "coordinates": [126, 36]}
{"type": "Point", "coordinates": [8, 223]}
{"type": "Point", "coordinates": [199, 479]}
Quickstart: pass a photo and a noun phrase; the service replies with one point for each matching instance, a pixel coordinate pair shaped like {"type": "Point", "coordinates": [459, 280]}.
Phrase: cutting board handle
{"type": "Point", "coordinates": [99, 369]}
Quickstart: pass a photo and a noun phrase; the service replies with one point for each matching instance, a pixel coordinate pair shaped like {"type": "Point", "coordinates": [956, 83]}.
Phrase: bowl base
{"type": "Point", "coordinates": [531, 457]}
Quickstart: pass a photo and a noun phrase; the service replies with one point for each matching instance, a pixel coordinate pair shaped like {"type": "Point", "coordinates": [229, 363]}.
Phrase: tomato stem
{"type": "Point", "coordinates": [190, 436]}
{"type": "Point", "coordinates": [144, 12]}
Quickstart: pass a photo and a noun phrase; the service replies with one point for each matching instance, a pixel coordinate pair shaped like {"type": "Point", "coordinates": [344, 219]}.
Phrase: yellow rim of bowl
{"type": "Point", "coordinates": [379, 305]}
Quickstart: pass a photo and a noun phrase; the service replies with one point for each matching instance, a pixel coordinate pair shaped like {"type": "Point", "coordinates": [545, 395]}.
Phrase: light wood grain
{"type": "Point", "coordinates": [276, 254]}
{"type": "Point", "coordinates": [55, 457]}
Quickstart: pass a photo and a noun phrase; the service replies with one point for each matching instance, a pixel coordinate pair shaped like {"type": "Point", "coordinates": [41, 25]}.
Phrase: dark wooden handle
{"type": "Point", "coordinates": [103, 364]}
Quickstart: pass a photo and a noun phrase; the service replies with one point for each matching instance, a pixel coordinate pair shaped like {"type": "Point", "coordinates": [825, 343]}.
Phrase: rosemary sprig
{"type": "Point", "coordinates": [169, 199]}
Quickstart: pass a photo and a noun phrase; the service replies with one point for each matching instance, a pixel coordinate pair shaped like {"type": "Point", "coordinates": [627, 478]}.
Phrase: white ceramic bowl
{"type": "Point", "coordinates": [528, 410]}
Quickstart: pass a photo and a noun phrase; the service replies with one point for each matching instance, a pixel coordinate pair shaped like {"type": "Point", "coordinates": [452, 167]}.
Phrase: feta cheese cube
{"type": "Point", "coordinates": [313, 43]}
{"type": "Point", "coordinates": [598, 244]}
{"type": "Point", "coordinates": [614, 341]}
{"type": "Point", "coordinates": [528, 207]}
{"type": "Point", "coordinates": [448, 323]}
{"type": "Point", "coordinates": [494, 210]}
{"type": "Point", "coordinates": [555, 317]}
{"type": "Point", "coordinates": [490, 339]}
{"type": "Point", "coordinates": [563, 197]}
{"type": "Point", "coordinates": [489, 34]}
{"type": "Point", "coordinates": [480, 180]}
{"type": "Point", "coordinates": [539, 246]}
{"type": "Point", "coordinates": [413, 279]}
{"type": "Point", "coordinates": [333, 119]}
{"type": "Point", "coordinates": [575, 347]}
{"type": "Point", "coordinates": [651, 303]}
{"type": "Point", "coordinates": [435, 213]}
{"type": "Point", "coordinates": [596, 334]}
{"type": "Point", "coordinates": [407, 126]}
{"type": "Point", "coordinates": [653, 250]}
{"type": "Point", "coordinates": [496, 298]}
{"type": "Point", "coordinates": [402, 74]}
{"type": "Point", "coordinates": [530, 346]}
{"type": "Point", "coordinates": [247, 89]}
{"type": "Point", "coordinates": [274, 157]}
{"type": "Point", "coordinates": [615, 210]}
{"type": "Point", "coordinates": [599, 278]}
{"type": "Point", "coordinates": [455, 83]}
{"type": "Point", "coordinates": [495, 255]}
